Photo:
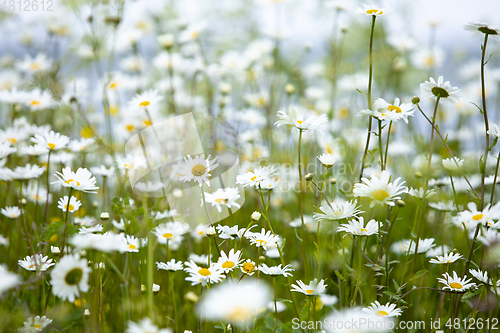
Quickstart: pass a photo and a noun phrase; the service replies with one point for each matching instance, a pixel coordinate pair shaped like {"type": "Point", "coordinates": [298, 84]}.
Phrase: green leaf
{"type": "Point", "coordinates": [470, 294]}
{"type": "Point", "coordinates": [339, 275]}
{"type": "Point", "coordinates": [419, 274]}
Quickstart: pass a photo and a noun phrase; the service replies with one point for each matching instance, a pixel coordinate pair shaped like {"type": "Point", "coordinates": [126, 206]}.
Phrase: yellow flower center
{"type": "Point", "coordinates": [456, 285]}
{"type": "Point", "coordinates": [248, 267]}
{"type": "Point", "coordinates": [31, 266]}
{"type": "Point", "coordinates": [238, 314]}
{"type": "Point", "coordinates": [198, 170]}
{"type": "Point", "coordinates": [204, 272]}
{"type": "Point", "coordinates": [34, 102]}
{"type": "Point", "coordinates": [69, 207]}
{"type": "Point", "coordinates": [381, 313]}
{"type": "Point", "coordinates": [132, 246]}
{"type": "Point", "coordinates": [72, 180]}
{"type": "Point", "coordinates": [146, 123]}
{"type": "Point", "coordinates": [12, 140]}
{"type": "Point", "coordinates": [363, 229]}
{"type": "Point", "coordinates": [300, 121]}
{"type": "Point", "coordinates": [309, 291]}
{"type": "Point", "coordinates": [51, 146]}
{"type": "Point", "coordinates": [261, 242]}
{"type": "Point", "coordinates": [394, 108]}
{"type": "Point", "coordinates": [113, 85]}
{"type": "Point", "coordinates": [374, 11]}
{"type": "Point", "coordinates": [168, 235]}
{"type": "Point", "coordinates": [145, 103]}
{"type": "Point", "coordinates": [429, 61]}
{"type": "Point", "coordinates": [477, 217]}
{"type": "Point", "coordinates": [219, 200]}
{"type": "Point", "coordinates": [228, 264]}
{"type": "Point", "coordinates": [35, 66]}
{"type": "Point", "coordinates": [37, 326]}
{"type": "Point", "coordinates": [253, 178]}
{"type": "Point", "coordinates": [380, 195]}
{"type": "Point", "coordinates": [13, 215]}
{"type": "Point", "coordinates": [195, 34]}
{"type": "Point", "coordinates": [130, 127]}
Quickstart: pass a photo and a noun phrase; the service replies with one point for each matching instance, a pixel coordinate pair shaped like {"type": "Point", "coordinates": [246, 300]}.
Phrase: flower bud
{"type": "Point", "coordinates": [415, 100]}
{"type": "Point", "coordinates": [211, 231]}
{"type": "Point", "coordinates": [418, 175]}
{"type": "Point", "coordinates": [255, 216]}
{"type": "Point", "coordinates": [104, 216]}
{"type": "Point", "coordinates": [332, 181]}
{"type": "Point", "coordinates": [156, 288]}
{"type": "Point", "coordinates": [191, 296]}
{"type": "Point", "coordinates": [400, 203]}
{"type": "Point", "coordinates": [166, 40]}
{"type": "Point", "coordinates": [290, 88]}
{"type": "Point", "coordinates": [309, 176]}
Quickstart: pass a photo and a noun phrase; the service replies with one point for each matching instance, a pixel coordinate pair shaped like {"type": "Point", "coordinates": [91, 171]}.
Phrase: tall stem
{"type": "Point", "coordinates": [370, 77]}
{"type": "Point", "coordinates": [48, 191]}
{"type": "Point", "coordinates": [486, 124]}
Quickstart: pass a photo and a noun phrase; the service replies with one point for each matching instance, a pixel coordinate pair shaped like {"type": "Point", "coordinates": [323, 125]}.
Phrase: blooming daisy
{"type": "Point", "coordinates": [7, 279]}
{"type": "Point", "coordinates": [199, 231]}
{"type": "Point", "coordinates": [328, 160]}
{"type": "Point", "coordinates": [248, 267]}
{"type": "Point", "coordinates": [35, 324]}
{"type": "Point", "coordinates": [51, 140]}
{"type": "Point", "coordinates": [131, 243]}
{"type": "Point", "coordinates": [445, 206]}
{"type": "Point", "coordinates": [314, 287]}
{"type": "Point", "coordinates": [440, 89]}
{"type": "Point", "coordinates": [196, 169]}
{"type": "Point", "coordinates": [145, 325]}
{"type": "Point", "coordinates": [450, 165]}
{"type": "Point", "coordinates": [147, 99]}
{"type": "Point", "coordinates": [4, 241]}
{"type": "Point", "coordinates": [270, 183]}
{"type": "Point", "coordinates": [36, 262]}
{"type": "Point", "coordinates": [388, 310]}
{"type": "Point", "coordinates": [380, 190]}
{"type": "Point", "coordinates": [236, 303]}
{"type": "Point", "coordinates": [276, 270]}
{"type": "Point", "coordinates": [420, 193]}
{"type": "Point", "coordinates": [398, 109]}
{"type": "Point", "coordinates": [481, 276]}
{"type": "Point", "coordinates": [310, 123]}
{"type": "Point", "coordinates": [171, 232]}
{"type": "Point", "coordinates": [255, 177]}
{"type": "Point", "coordinates": [69, 277]}
{"type": "Point", "coordinates": [447, 258]}
{"type": "Point", "coordinates": [171, 265]}
{"type": "Point", "coordinates": [263, 239]}
{"type": "Point", "coordinates": [38, 100]}
{"type": "Point", "coordinates": [358, 228]}
{"type": "Point", "coordinates": [197, 274]}
{"type": "Point", "coordinates": [371, 10]}
{"type": "Point", "coordinates": [339, 210]}
{"type": "Point", "coordinates": [28, 171]}
{"type": "Point", "coordinates": [71, 206]}
{"type": "Point", "coordinates": [424, 245]}
{"type": "Point", "coordinates": [11, 212]}
{"type": "Point", "coordinates": [6, 149]}
{"type": "Point", "coordinates": [455, 283]}
{"type": "Point", "coordinates": [223, 197]}
{"type": "Point", "coordinates": [481, 28]}
{"type": "Point", "coordinates": [230, 261]}
{"type": "Point", "coordinates": [81, 180]}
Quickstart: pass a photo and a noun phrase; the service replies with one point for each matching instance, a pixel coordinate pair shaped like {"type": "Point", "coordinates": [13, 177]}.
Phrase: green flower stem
{"type": "Point", "coordinates": [65, 225]}
{"type": "Point", "coordinates": [48, 191]}
{"type": "Point", "coordinates": [495, 180]}
{"type": "Point", "coordinates": [380, 145]}
{"type": "Point", "coordinates": [486, 123]}
{"type": "Point", "coordinates": [387, 145]}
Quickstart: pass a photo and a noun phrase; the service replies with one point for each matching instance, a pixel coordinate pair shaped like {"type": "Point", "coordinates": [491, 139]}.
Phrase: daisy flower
{"type": "Point", "coordinates": [358, 228]}
{"type": "Point", "coordinates": [36, 262]}
{"type": "Point", "coordinates": [39, 63]}
{"type": "Point", "coordinates": [380, 190]}
{"type": "Point", "coordinates": [145, 326]}
{"type": "Point", "coordinates": [371, 10]}
{"type": "Point", "coordinates": [424, 245]}
{"type": "Point", "coordinates": [478, 28]}
{"type": "Point", "coordinates": [171, 265]}
{"type": "Point", "coordinates": [81, 180]}
{"type": "Point", "coordinates": [420, 193]}
{"type": "Point", "coordinates": [35, 324]}
{"type": "Point", "coordinates": [6, 149]}
{"type": "Point", "coordinates": [455, 283]}
{"type": "Point", "coordinates": [255, 177]}
{"type": "Point", "coordinates": [28, 171]}
{"type": "Point", "coordinates": [248, 267]}
{"type": "Point", "coordinates": [314, 287]}
{"type": "Point", "coordinates": [236, 303]}
{"type": "Point", "coordinates": [388, 310]}
{"type": "Point", "coordinates": [310, 123]}
{"type": "Point", "coordinates": [481, 276]}
{"type": "Point", "coordinates": [338, 211]}
{"type": "Point", "coordinates": [131, 243]}
{"type": "Point", "coordinates": [171, 231]}
{"type": "Point", "coordinates": [276, 270]}
{"type": "Point", "coordinates": [71, 206]}
{"type": "Point", "coordinates": [196, 169]}
{"type": "Point", "coordinates": [51, 140]}
{"type": "Point", "coordinates": [440, 89]}
{"type": "Point", "coordinates": [38, 100]}
{"type": "Point", "coordinates": [447, 258]}
{"type": "Point", "coordinates": [7, 279]}
{"type": "Point", "coordinates": [263, 239]}
{"type": "Point", "coordinates": [11, 212]}
{"type": "Point", "coordinates": [269, 183]}
{"type": "Point", "coordinates": [231, 261]}
{"type": "Point", "coordinates": [4, 241]}
{"type": "Point", "coordinates": [69, 277]}
{"type": "Point", "coordinates": [199, 232]}
{"type": "Point", "coordinates": [494, 130]}
{"type": "Point", "coordinates": [450, 165]}
{"type": "Point", "coordinates": [223, 197]}
{"type": "Point", "coordinates": [445, 206]}
{"type": "Point", "coordinates": [148, 99]}
{"type": "Point", "coordinates": [328, 160]}
{"type": "Point", "coordinates": [473, 216]}
{"type": "Point", "coordinates": [197, 274]}
{"type": "Point", "coordinates": [397, 109]}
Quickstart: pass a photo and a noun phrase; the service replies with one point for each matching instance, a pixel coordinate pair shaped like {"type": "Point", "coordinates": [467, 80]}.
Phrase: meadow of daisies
{"type": "Point", "coordinates": [165, 174]}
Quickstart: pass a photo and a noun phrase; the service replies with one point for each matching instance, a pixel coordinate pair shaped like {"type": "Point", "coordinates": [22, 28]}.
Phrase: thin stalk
{"type": "Point", "coordinates": [486, 124]}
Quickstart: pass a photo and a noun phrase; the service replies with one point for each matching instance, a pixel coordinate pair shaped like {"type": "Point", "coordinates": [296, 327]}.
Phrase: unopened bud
{"type": "Point", "coordinates": [400, 203]}
{"type": "Point", "coordinates": [211, 231]}
{"type": "Point", "coordinates": [86, 312]}
{"type": "Point", "coordinates": [55, 249]}
{"type": "Point", "coordinates": [332, 181]}
{"type": "Point", "coordinates": [104, 216]}
{"type": "Point", "coordinates": [156, 288]}
{"type": "Point", "coordinates": [415, 100]}
{"type": "Point", "coordinates": [256, 216]}
{"type": "Point", "coordinates": [191, 296]}
{"type": "Point", "coordinates": [95, 203]}
{"type": "Point", "coordinates": [224, 88]}
{"type": "Point", "coordinates": [290, 89]}
{"type": "Point", "coordinates": [309, 176]}
{"type": "Point", "coordinates": [23, 201]}
{"type": "Point", "coordinates": [166, 40]}
{"type": "Point", "coordinates": [418, 175]}
{"type": "Point", "coordinates": [262, 258]}
{"type": "Point", "coordinates": [229, 328]}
